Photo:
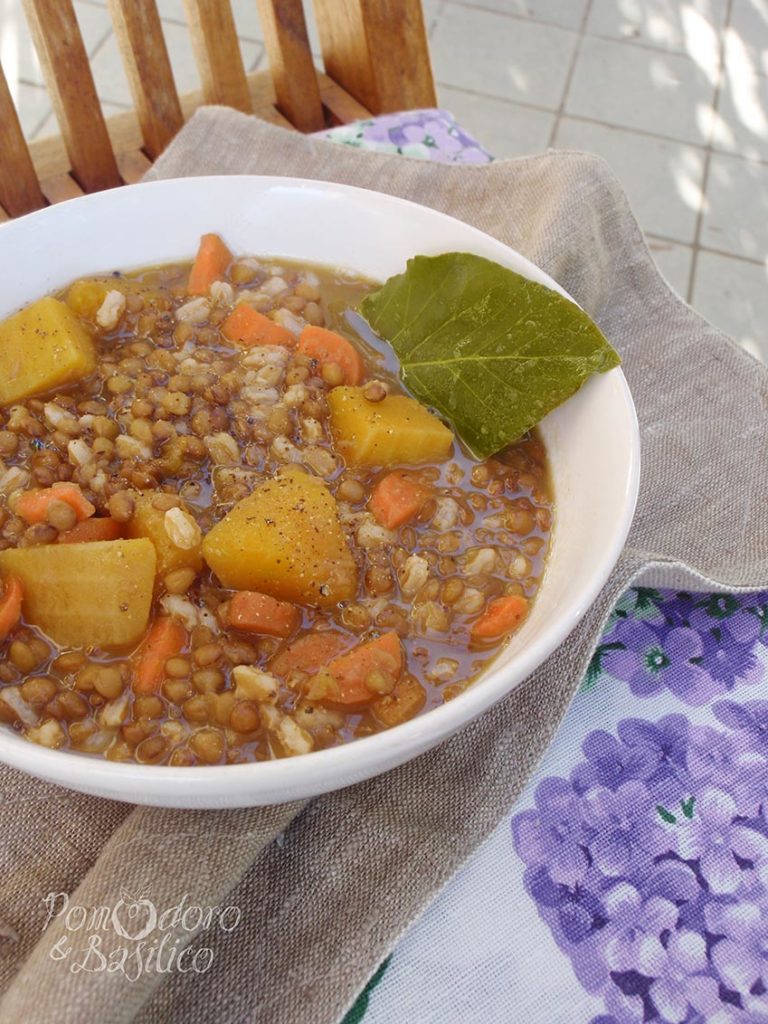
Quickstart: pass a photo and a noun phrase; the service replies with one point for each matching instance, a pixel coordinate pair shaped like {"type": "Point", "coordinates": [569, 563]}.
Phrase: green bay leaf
{"type": "Point", "coordinates": [491, 350]}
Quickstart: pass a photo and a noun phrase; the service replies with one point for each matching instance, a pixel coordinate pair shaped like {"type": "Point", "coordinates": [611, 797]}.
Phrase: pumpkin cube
{"type": "Point", "coordinates": [285, 540]}
{"type": "Point", "coordinates": [395, 431]}
{"type": "Point", "coordinates": [85, 297]}
{"type": "Point", "coordinates": [150, 522]}
{"type": "Point", "coordinates": [82, 595]}
{"type": "Point", "coordinates": [41, 347]}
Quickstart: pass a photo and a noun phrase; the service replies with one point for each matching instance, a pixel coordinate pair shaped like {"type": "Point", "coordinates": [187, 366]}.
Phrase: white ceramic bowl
{"type": "Point", "coordinates": [592, 441]}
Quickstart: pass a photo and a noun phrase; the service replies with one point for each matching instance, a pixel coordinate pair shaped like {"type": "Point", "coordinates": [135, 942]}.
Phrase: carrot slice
{"type": "Point", "coordinates": [260, 613]}
{"type": "Point", "coordinates": [33, 505]}
{"type": "Point", "coordinates": [249, 327]}
{"type": "Point", "coordinates": [103, 528]}
{"type": "Point", "coordinates": [351, 671]}
{"type": "Point", "coordinates": [310, 653]}
{"type": "Point", "coordinates": [165, 639]}
{"type": "Point", "coordinates": [213, 258]}
{"type": "Point", "coordinates": [329, 347]}
{"type": "Point", "coordinates": [500, 616]}
{"type": "Point", "coordinates": [405, 701]}
{"type": "Point", "coordinates": [396, 498]}
{"type": "Point", "coordinates": [10, 605]}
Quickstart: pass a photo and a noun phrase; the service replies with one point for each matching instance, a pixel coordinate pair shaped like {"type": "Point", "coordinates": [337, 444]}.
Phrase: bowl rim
{"type": "Point", "coordinates": [87, 773]}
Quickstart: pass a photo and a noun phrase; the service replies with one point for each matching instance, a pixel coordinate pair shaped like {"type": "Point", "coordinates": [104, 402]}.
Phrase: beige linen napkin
{"type": "Point", "coordinates": [321, 906]}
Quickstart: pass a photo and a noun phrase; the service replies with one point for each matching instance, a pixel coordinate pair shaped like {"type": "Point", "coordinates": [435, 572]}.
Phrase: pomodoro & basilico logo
{"type": "Point", "coordinates": [134, 936]}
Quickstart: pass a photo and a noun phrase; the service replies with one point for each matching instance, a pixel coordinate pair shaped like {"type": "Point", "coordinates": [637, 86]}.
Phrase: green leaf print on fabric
{"type": "Point", "coordinates": [356, 1014]}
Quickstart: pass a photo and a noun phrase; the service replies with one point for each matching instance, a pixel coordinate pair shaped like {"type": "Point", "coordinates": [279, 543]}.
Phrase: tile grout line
{"type": "Point", "coordinates": [583, 119]}
{"type": "Point", "coordinates": [490, 96]}
{"type": "Point", "coordinates": [730, 255]}
{"type": "Point", "coordinates": [654, 236]}
{"type": "Point", "coordinates": [708, 154]}
{"type": "Point", "coordinates": [569, 77]}
{"type": "Point", "coordinates": [431, 27]}
{"type": "Point", "coordinates": [638, 44]}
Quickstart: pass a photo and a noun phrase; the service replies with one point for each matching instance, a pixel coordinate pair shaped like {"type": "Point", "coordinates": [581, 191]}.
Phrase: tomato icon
{"type": "Point", "coordinates": [134, 917]}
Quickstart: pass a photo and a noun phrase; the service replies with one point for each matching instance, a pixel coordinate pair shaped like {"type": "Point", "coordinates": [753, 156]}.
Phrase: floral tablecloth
{"type": "Point", "coordinates": [630, 883]}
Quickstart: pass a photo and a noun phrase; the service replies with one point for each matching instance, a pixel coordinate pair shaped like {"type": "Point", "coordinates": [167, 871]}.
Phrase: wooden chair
{"type": "Point", "coordinates": [374, 51]}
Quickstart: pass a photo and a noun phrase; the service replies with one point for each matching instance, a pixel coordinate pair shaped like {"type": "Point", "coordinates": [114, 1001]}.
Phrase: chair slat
{"type": "Point", "coordinates": [145, 56]}
{"type": "Point", "coordinates": [64, 61]}
{"type": "Point", "coordinates": [51, 160]}
{"type": "Point", "coordinates": [19, 190]}
{"type": "Point", "coordinates": [340, 106]}
{"type": "Point", "coordinates": [133, 166]}
{"type": "Point", "coordinates": [217, 53]}
{"type": "Point", "coordinates": [60, 187]}
{"type": "Point", "coordinates": [291, 64]}
{"type": "Point", "coordinates": [377, 50]}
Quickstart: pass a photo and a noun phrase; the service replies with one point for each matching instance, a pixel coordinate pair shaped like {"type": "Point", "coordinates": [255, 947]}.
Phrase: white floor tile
{"type": "Point", "coordinates": [246, 19]}
{"type": "Point", "coordinates": [95, 23]}
{"type": "Point", "coordinates": [173, 10]}
{"type": "Point", "coordinates": [637, 88]}
{"type": "Point", "coordinates": [504, 129]}
{"type": "Point", "coordinates": [17, 51]}
{"type": "Point", "coordinates": [505, 57]}
{"type": "Point", "coordinates": [662, 178]}
{"type": "Point", "coordinates": [32, 106]}
{"type": "Point", "coordinates": [741, 122]}
{"type": "Point", "coordinates": [567, 13]}
{"type": "Point", "coordinates": [691, 27]}
{"type": "Point", "coordinates": [674, 262]}
{"type": "Point", "coordinates": [431, 9]}
{"type": "Point", "coordinates": [736, 213]}
{"type": "Point", "coordinates": [749, 21]}
{"type": "Point", "coordinates": [112, 84]}
{"type": "Point", "coordinates": [733, 295]}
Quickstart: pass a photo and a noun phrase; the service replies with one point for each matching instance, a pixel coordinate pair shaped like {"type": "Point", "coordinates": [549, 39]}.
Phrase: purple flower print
{"type": "Point", "coordinates": [755, 1009]}
{"type": "Point", "coordinates": [750, 788]}
{"type": "Point", "coordinates": [760, 611]}
{"type": "Point", "coordinates": [624, 1007]}
{"type": "Point", "coordinates": [730, 663]}
{"type": "Point", "coordinates": [632, 939]}
{"type": "Point", "coordinates": [729, 615]}
{"type": "Point", "coordinates": [662, 746]}
{"type": "Point", "coordinates": [750, 718]}
{"type": "Point", "coordinates": [712, 754]}
{"type": "Point", "coordinates": [573, 913]}
{"type": "Point", "coordinates": [661, 831]}
{"type": "Point", "coordinates": [741, 956]}
{"type": "Point", "coordinates": [432, 133]}
{"type": "Point", "coordinates": [652, 659]}
{"type": "Point", "coordinates": [553, 834]}
{"type": "Point", "coordinates": [728, 1013]}
{"type": "Point", "coordinates": [750, 845]}
{"type": "Point", "coordinates": [610, 762]}
{"type": "Point", "coordinates": [717, 839]}
{"type": "Point", "coordinates": [673, 880]}
{"type": "Point", "coordinates": [678, 607]}
{"type": "Point", "coordinates": [426, 134]}
{"type": "Point", "coordinates": [665, 740]}
{"type": "Point", "coordinates": [627, 832]}
{"type": "Point", "coordinates": [680, 984]}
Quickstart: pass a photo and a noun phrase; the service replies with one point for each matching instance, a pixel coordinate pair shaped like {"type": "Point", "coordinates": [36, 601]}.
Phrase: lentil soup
{"type": "Point", "coordinates": [227, 533]}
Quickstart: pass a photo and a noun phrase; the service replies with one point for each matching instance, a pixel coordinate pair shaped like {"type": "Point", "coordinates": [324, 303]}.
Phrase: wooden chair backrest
{"type": "Point", "coordinates": [374, 51]}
